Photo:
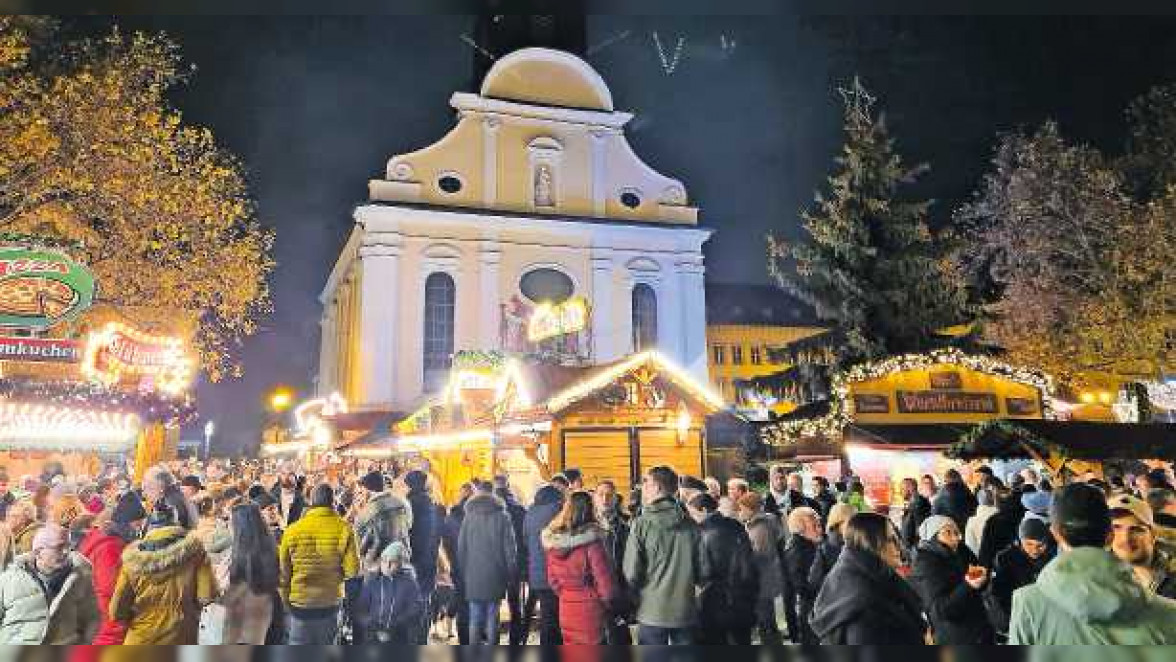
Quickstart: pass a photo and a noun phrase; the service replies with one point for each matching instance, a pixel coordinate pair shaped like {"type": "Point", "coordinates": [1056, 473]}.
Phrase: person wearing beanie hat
{"type": "Point", "coordinates": [389, 607]}
{"type": "Point", "coordinates": [103, 547]}
{"type": "Point", "coordinates": [47, 596]}
{"type": "Point", "coordinates": [1086, 595]}
{"type": "Point", "coordinates": [946, 576]}
{"type": "Point", "coordinates": [165, 582]}
{"type": "Point", "coordinates": [373, 481]}
{"type": "Point", "coordinates": [1017, 566]}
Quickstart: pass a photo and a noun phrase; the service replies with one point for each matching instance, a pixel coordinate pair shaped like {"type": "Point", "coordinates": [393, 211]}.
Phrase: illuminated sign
{"type": "Point", "coordinates": [941, 402]}
{"type": "Point", "coordinates": [40, 350]}
{"type": "Point", "coordinates": [553, 320]}
{"type": "Point", "coordinates": [118, 350]}
{"type": "Point", "coordinates": [946, 380]}
{"type": "Point", "coordinates": [38, 289]}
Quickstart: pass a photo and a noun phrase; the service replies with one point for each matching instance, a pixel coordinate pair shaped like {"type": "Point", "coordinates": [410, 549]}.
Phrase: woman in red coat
{"type": "Point", "coordinates": [103, 547]}
{"type": "Point", "coordinates": [579, 571]}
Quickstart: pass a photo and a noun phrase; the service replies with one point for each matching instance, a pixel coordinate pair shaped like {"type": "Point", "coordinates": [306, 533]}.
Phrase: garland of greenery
{"type": "Point", "coordinates": [841, 411]}
{"type": "Point", "coordinates": [149, 406]}
{"type": "Point", "coordinates": [966, 446]}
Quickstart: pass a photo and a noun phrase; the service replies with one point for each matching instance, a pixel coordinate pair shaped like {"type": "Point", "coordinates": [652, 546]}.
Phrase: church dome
{"type": "Point", "coordinates": [547, 77]}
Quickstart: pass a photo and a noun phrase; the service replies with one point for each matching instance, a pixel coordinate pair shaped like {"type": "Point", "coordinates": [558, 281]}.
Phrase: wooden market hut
{"type": "Point", "coordinates": [611, 421]}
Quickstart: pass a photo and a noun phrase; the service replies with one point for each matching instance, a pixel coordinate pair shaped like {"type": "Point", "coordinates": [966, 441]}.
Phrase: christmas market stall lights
{"type": "Point", "coordinates": [531, 419]}
{"type": "Point", "coordinates": [77, 385]}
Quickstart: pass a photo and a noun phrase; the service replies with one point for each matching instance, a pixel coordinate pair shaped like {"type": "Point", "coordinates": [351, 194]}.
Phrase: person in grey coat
{"type": "Point", "coordinates": [486, 551]}
{"type": "Point", "coordinates": [548, 503]}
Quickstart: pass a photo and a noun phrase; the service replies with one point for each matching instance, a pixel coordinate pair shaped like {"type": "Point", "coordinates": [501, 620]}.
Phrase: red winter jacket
{"type": "Point", "coordinates": [579, 572]}
{"type": "Point", "coordinates": [103, 550]}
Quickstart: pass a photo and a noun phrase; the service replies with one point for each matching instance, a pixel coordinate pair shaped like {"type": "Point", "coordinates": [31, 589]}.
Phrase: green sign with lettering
{"type": "Point", "coordinates": [39, 289]}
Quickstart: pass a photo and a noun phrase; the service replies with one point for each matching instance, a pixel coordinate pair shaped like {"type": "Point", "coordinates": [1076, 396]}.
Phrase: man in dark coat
{"type": "Point", "coordinates": [548, 502]}
{"type": "Point", "coordinates": [785, 492]}
{"type": "Point", "coordinates": [288, 497]}
{"type": "Point", "coordinates": [1000, 531]}
{"type": "Point", "coordinates": [517, 513]}
{"type": "Point", "coordinates": [825, 497]}
{"type": "Point", "coordinates": [727, 575]}
{"type": "Point", "coordinates": [918, 508]}
{"type": "Point", "coordinates": [6, 496]}
{"type": "Point", "coordinates": [451, 532]}
{"type": "Point", "coordinates": [488, 557]}
{"type": "Point", "coordinates": [955, 500]}
{"type": "Point", "coordinates": [799, 553]}
{"type": "Point", "coordinates": [424, 539]}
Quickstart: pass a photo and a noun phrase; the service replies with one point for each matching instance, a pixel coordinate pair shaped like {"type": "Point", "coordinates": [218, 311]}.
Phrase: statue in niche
{"type": "Point", "coordinates": [543, 186]}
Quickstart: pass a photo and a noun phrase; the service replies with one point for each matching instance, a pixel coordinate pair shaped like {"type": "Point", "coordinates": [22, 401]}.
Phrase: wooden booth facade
{"type": "Point", "coordinates": [532, 420]}
{"type": "Point", "coordinates": [894, 418]}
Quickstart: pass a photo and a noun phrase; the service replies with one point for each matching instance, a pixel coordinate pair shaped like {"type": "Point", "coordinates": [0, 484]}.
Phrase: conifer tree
{"type": "Point", "coordinates": [870, 264]}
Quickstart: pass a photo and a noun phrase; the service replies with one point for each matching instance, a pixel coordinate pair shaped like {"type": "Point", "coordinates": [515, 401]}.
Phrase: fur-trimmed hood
{"type": "Point", "coordinates": [566, 541]}
{"type": "Point", "coordinates": [162, 551]}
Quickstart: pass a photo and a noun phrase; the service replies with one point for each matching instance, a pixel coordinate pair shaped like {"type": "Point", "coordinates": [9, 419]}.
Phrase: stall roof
{"type": "Point", "coordinates": [1081, 440]}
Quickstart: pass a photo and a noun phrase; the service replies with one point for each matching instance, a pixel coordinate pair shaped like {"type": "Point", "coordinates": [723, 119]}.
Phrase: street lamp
{"type": "Point", "coordinates": [209, 429]}
{"type": "Point", "coordinates": [281, 399]}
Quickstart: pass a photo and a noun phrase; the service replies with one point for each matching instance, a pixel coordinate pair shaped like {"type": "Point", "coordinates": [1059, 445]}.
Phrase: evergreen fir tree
{"type": "Point", "coordinates": [870, 265]}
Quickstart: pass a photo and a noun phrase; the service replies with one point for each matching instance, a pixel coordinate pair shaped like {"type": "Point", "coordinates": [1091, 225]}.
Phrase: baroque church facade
{"type": "Point", "coordinates": [530, 228]}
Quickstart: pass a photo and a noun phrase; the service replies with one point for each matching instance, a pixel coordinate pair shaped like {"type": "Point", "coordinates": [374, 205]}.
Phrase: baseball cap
{"type": "Point", "coordinates": [1125, 504]}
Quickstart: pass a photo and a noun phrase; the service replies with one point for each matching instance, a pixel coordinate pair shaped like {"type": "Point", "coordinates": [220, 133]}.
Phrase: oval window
{"type": "Point", "coordinates": [630, 200]}
{"type": "Point", "coordinates": [548, 285]}
{"type": "Point", "coordinates": [449, 184]}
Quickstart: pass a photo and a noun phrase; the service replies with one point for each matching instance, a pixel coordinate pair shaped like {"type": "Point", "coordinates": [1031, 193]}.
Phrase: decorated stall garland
{"type": "Point", "coordinates": [831, 425]}
{"type": "Point", "coordinates": [149, 406]}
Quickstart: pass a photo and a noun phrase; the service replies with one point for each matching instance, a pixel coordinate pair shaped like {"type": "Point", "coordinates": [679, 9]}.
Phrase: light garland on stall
{"type": "Point", "coordinates": [35, 426]}
{"type": "Point", "coordinates": [148, 406]}
{"type": "Point", "coordinates": [581, 390]}
{"type": "Point", "coordinates": [841, 411]}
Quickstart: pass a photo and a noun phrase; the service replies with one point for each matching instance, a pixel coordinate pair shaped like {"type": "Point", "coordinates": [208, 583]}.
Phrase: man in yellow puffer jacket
{"type": "Point", "coordinates": [317, 554]}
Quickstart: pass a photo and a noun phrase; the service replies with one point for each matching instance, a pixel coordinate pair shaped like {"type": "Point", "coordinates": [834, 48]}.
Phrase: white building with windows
{"type": "Point", "coordinates": [534, 197]}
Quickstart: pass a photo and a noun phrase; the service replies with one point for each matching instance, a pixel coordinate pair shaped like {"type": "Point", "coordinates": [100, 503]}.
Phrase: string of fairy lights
{"type": "Point", "coordinates": [841, 411]}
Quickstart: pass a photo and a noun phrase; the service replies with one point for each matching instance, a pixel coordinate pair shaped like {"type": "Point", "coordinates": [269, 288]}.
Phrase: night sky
{"type": "Point", "coordinates": [316, 106]}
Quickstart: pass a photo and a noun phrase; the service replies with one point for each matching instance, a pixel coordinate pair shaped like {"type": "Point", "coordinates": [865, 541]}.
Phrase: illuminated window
{"type": "Point", "coordinates": [440, 300]}
{"type": "Point", "coordinates": [756, 356]}
{"type": "Point", "coordinates": [644, 318]}
{"type": "Point", "coordinates": [719, 354]}
{"type": "Point", "coordinates": [737, 354]}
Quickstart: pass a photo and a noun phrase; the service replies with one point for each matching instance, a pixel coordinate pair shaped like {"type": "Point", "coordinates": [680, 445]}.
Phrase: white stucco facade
{"type": "Point", "coordinates": [523, 182]}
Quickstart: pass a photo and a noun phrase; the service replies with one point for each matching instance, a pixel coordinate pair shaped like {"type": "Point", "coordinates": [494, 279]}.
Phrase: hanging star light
{"type": "Point", "coordinates": [858, 102]}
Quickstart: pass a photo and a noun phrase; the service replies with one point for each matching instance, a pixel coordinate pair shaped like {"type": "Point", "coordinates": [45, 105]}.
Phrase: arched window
{"type": "Point", "coordinates": [644, 318]}
{"type": "Point", "coordinates": [440, 299]}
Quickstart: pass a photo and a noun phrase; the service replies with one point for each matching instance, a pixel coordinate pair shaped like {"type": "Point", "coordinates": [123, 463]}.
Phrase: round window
{"type": "Point", "coordinates": [548, 285]}
{"type": "Point", "coordinates": [449, 184]}
{"type": "Point", "coordinates": [630, 200]}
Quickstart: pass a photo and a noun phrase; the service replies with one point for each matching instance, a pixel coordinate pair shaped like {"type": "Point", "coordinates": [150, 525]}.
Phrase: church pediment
{"type": "Point", "coordinates": [541, 137]}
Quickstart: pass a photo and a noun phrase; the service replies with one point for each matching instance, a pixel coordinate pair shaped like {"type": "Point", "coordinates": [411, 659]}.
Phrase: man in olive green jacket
{"type": "Point", "coordinates": [661, 563]}
{"type": "Point", "coordinates": [1086, 595]}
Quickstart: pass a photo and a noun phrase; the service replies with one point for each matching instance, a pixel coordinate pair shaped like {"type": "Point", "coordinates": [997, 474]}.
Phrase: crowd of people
{"type": "Point", "coordinates": [239, 555]}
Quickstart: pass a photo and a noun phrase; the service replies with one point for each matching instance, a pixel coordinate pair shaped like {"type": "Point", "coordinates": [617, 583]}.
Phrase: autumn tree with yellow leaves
{"type": "Point", "coordinates": [92, 153]}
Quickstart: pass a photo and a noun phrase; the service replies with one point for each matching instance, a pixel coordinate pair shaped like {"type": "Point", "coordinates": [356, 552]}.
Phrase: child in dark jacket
{"type": "Point", "coordinates": [389, 606]}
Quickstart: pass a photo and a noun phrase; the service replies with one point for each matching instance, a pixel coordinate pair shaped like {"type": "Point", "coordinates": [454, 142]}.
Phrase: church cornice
{"type": "Point", "coordinates": [466, 102]}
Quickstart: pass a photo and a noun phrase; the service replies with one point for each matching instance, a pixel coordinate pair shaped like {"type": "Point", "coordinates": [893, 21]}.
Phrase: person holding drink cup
{"type": "Point", "coordinates": [950, 582]}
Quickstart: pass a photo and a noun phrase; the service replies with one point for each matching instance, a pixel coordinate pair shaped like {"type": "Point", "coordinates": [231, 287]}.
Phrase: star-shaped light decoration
{"type": "Point", "coordinates": [858, 103]}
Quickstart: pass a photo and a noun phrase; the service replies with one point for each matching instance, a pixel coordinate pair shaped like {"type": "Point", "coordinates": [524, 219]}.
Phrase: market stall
{"type": "Point", "coordinates": [530, 420]}
{"type": "Point", "coordinates": [79, 386]}
{"type": "Point", "coordinates": [891, 419]}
